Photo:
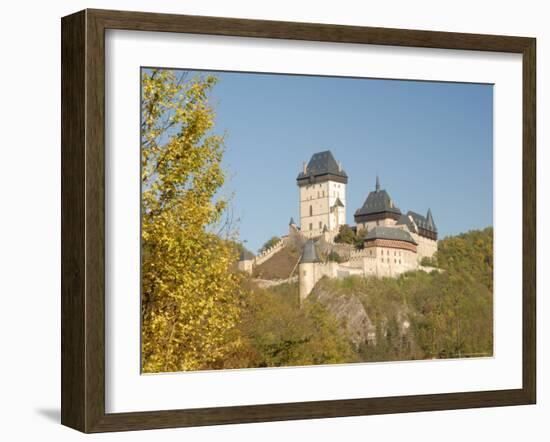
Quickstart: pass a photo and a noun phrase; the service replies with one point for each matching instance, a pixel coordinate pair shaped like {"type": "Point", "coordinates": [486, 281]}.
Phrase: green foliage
{"type": "Point", "coordinates": [428, 262]}
{"type": "Point", "coordinates": [470, 254]}
{"type": "Point", "coordinates": [280, 333]}
{"type": "Point", "coordinates": [346, 235]}
{"type": "Point", "coordinates": [269, 243]}
{"type": "Point", "coordinates": [450, 313]}
{"type": "Point", "coordinates": [333, 256]}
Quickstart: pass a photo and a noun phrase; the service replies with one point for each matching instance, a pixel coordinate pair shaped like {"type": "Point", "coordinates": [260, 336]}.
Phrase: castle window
{"type": "Point", "coordinates": [310, 226]}
{"type": "Point", "coordinates": [320, 225]}
{"type": "Point", "coordinates": [323, 193]}
{"type": "Point", "coordinates": [399, 261]}
{"type": "Point", "coordinates": [395, 261]}
{"type": "Point", "coordinates": [310, 211]}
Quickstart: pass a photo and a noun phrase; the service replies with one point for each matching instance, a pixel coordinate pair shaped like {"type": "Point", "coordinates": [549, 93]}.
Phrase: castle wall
{"type": "Point", "coordinates": [266, 254]}
{"type": "Point", "coordinates": [311, 273]}
{"type": "Point", "coordinates": [426, 247]}
{"type": "Point", "coordinates": [385, 261]}
{"type": "Point", "coordinates": [321, 197]}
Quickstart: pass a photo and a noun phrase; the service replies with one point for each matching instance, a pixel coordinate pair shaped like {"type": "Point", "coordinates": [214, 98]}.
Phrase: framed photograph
{"type": "Point", "coordinates": [267, 221]}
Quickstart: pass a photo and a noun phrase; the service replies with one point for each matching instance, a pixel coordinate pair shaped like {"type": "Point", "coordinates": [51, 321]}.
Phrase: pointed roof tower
{"type": "Point", "coordinates": [378, 205]}
{"type": "Point", "coordinates": [309, 255]}
{"type": "Point", "coordinates": [425, 224]}
{"type": "Point", "coordinates": [322, 167]}
{"type": "Point", "coordinates": [246, 255]}
{"type": "Point", "coordinates": [430, 221]}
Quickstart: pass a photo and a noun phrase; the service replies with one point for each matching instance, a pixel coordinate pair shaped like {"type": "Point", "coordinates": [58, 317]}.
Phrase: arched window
{"type": "Point", "coordinates": [310, 210]}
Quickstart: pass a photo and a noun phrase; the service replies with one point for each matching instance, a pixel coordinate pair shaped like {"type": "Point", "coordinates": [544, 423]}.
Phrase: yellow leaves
{"type": "Point", "coordinates": [190, 299]}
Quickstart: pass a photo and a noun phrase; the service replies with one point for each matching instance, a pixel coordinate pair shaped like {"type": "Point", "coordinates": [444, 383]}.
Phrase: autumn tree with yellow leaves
{"type": "Point", "coordinates": [191, 301]}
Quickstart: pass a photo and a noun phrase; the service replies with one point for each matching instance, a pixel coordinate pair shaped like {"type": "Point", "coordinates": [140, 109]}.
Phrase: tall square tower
{"type": "Point", "coordinates": [322, 183]}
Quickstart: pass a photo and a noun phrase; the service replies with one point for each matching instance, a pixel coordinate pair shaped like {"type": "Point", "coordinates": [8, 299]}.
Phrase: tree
{"type": "Point", "coordinates": [428, 262]}
{"type": "Point", "coordinates": [279, 333]}
{"type": "Point", "coordinates": [346, 235]}
{"type": "Point", "coordinates": [191, 302]}
{"type": "Point", "coordinates": [269, 243]}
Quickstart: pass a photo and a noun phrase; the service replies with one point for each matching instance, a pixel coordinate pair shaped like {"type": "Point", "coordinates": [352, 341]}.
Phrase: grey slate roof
{"type": "Point", "coordinates": [378, 201]}
{"type": "Point", "coordinates": [338, 202]}
{"type": "Point", "coordinates": [322, 163]}
{"type": "Point", "coordinates": [246, 255]}
{"type": "Point", "coordinates": [381, 232]}
{"type": "Point", "coordinates": [406, 221]}
{"type": "Point", "coordinates": [309, 253]}
{"type": "Point", "coordinates": [422, 222]}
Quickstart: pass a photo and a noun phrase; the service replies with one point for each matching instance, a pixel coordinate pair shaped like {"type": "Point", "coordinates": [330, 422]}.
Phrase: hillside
{"type": "Point", "coordinates": [420, 315]}
{"type": "Point", "coordinates": [415, 316]}
{"type": "Point", "coordinates": [469, 254]}
{"type": "Point", "coordinates": [280, 265]}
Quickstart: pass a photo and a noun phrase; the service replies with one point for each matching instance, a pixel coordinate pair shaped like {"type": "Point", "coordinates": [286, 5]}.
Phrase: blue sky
{"type": "Point", "coordinates": [430, 142]}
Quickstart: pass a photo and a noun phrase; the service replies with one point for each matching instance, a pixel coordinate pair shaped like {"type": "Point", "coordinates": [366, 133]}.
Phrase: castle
{"type": "Point", "coordinates": [391, 242]}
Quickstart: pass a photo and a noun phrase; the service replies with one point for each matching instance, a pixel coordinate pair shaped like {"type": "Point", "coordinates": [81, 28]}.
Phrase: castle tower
{"type": "Point", "coordinates": [308, 269]}
{"type": "Point", "coordinates": [246, 261]}
{"type": "Point", "coordinates": [322, 184]}
{"type": "Point", "coordinates": [377, 210]}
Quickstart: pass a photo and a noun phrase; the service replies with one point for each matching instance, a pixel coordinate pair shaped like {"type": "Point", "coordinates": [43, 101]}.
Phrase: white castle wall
{"type": "Point", "coordinates": [311, 273]}
{"type": "Point", "coordinates": [426, 247]}
{"type": "Point", "coordinates": [384, 261]}
{"type": "Point", "coordinates": [373, 261]}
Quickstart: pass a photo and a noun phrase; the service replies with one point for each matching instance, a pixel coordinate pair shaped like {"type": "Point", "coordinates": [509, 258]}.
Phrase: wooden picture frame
{"type": "Point", "coordinates": [83, 220]}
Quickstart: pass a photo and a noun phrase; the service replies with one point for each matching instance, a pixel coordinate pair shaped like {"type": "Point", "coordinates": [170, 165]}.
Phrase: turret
{"type": "Point", "coordinates": [307, 269]}
{"type": "Point", "coordinates": [246, 261]}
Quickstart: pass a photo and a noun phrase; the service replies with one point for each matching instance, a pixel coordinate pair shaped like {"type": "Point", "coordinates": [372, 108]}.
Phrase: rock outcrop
{"type": "Point", "coordinates": [349, 311]}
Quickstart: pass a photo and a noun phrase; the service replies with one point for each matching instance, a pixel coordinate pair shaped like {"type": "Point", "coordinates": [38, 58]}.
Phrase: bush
{"type": "Point", "coordinates": [346, 235]}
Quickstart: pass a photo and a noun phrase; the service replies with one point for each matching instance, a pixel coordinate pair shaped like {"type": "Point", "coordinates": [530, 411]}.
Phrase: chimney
{"type": "Point", "coordinates": [305, 168]}
{"type": "Point", "coordinates": [339, 166]}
